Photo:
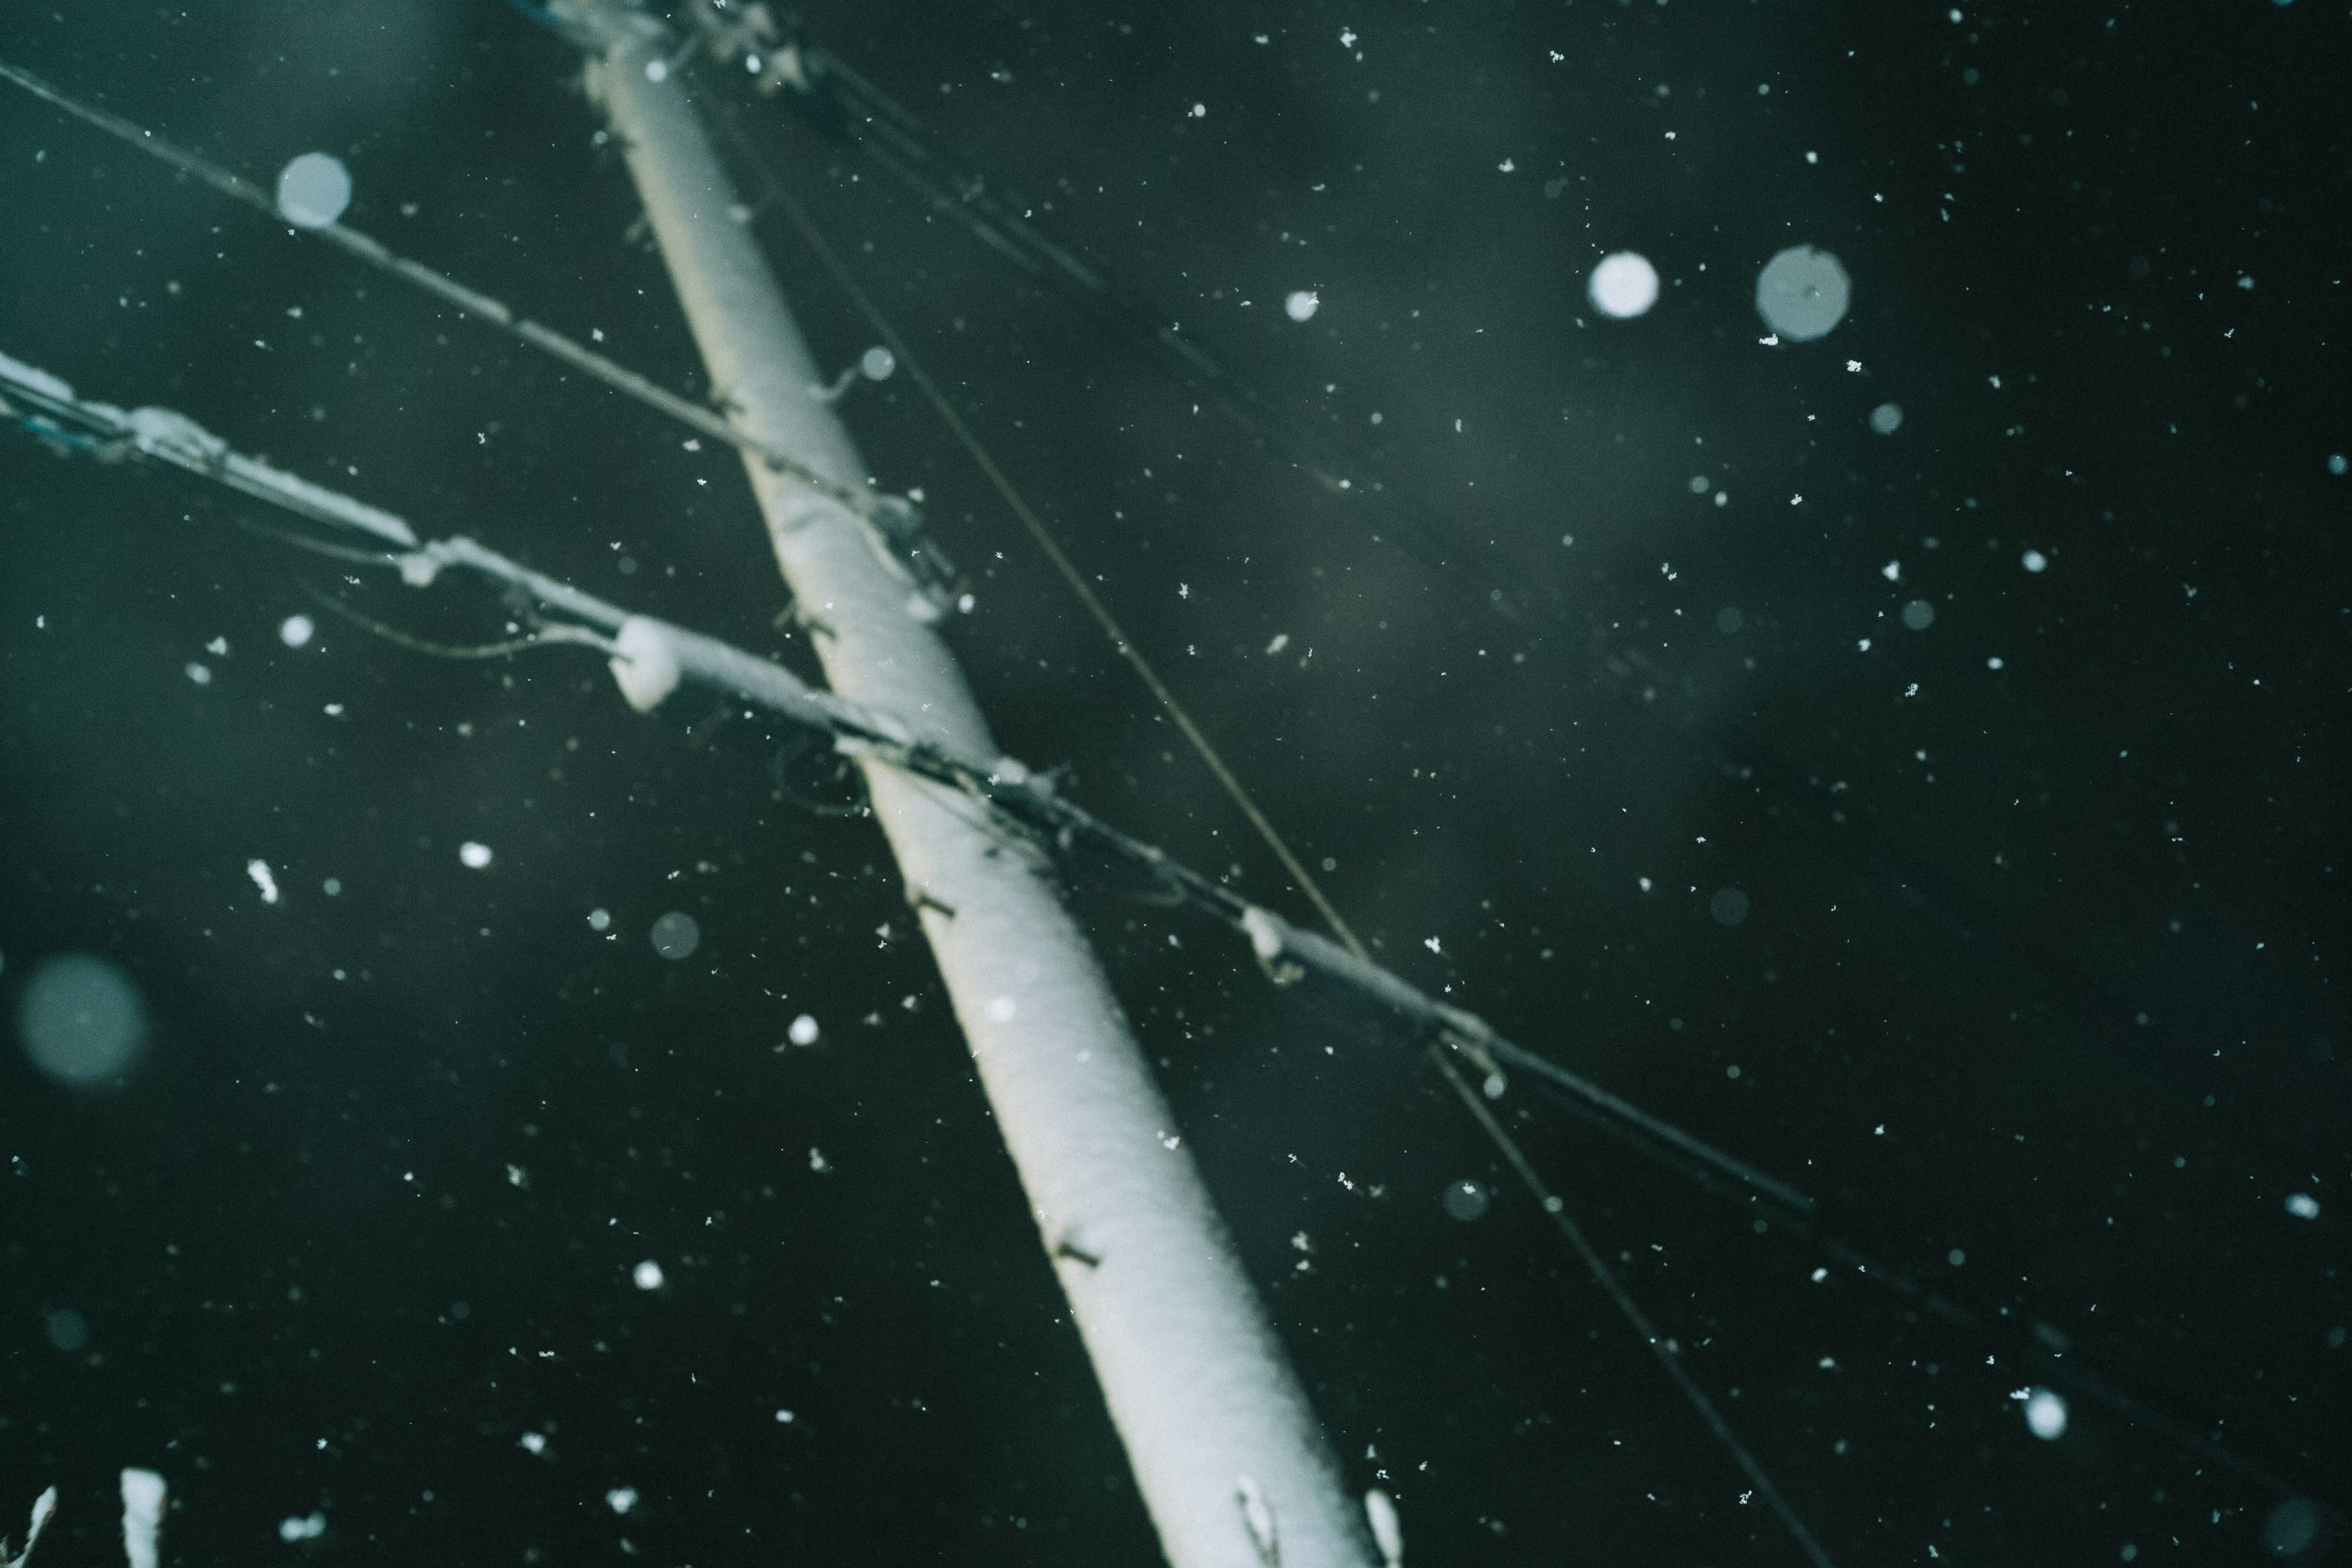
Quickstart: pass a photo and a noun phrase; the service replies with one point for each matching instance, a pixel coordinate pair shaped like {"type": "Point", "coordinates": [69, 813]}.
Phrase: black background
{"type": "Point", "coordinates": [2040, 961]}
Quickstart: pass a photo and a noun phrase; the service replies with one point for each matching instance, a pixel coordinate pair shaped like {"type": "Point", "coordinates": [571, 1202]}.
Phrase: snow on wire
{"type": "Point", "coordinates": [650, 659]}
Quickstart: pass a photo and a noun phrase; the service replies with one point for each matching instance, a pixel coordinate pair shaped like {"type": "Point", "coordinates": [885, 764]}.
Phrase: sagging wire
{"type": "Point", "coordinates": [554, 633]}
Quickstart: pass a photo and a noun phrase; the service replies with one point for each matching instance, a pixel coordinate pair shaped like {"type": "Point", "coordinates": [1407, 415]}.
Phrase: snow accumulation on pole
{"type": "Point", "coordinates": [1226, 1452]}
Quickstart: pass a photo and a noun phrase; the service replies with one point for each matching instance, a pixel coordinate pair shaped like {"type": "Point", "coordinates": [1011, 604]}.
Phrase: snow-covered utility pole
{"type": "Point", "coordinates": [1225, 1450]}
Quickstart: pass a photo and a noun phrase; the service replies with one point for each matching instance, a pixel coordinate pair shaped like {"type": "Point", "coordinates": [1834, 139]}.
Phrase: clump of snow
{"type": "Point", "coordinates": [259, 872]}
{"type": "Point", "coordinates": [1301, 304]}
{"type": "Point", "coordinates": [804, 1031]}
{"type": "Point", "coordinates": [199, 674]}
{"type": "Point", "coordinates": [643, 664]}
{"type": "Point", "coordinates": [2302, 1205]}
{"type": "Point", "coordinates": [600, 919]}
{"type": "Point", "coordinates": [1623, 286]}
{"type": "Point", "coordinates": [1802, 293]}
{"type": "Point", "coordinates": [143, 1516]}
{"type": "Point", "coordinates": [648, 1276]}
{"type": "Point", "coordinates": [2034, 560]}
{"type": "Point", "coordinates": [294, 631]}
{"type": "Point", "coordinates": [299, 1528]}
{"type": "Point", "coordinates": [1388, 1530]}
{"type": "Point", "coordinates": [2045, 1412]}
{"type": "Point", "coordinates": [621, 1499]}
{"type": "Point", "coordinates": [313, 190]}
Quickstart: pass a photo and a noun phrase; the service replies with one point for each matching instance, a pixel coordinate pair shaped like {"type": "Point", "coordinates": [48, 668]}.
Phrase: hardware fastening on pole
{"type": "Point", "coordinates": [1226, 1453]}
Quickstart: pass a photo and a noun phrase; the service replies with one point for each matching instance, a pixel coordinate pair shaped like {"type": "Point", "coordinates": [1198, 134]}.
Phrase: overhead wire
{"type": "Point", "coordinates": [1669, 1356]}
{"type": "Point", "coordinates": [481, 307]}
{"type": "Point", "coordinates": [775, 191]}
{"type": "Point", "coordinates": [843, 104]}
{"type": "Point", "coordinates": [865, 502]}
{"type": "Point", "coordinates": [1035, 811]}
{"type": "Point", "coordinates": [1654, 1139]}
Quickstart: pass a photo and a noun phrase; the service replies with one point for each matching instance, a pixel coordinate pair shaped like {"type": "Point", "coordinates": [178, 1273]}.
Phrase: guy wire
{"type": "Point", "coordinates": [773, 190]}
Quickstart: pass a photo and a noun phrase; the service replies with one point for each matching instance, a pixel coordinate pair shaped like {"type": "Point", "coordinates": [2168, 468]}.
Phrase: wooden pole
{"type": "Point", "coordinates": [1224, 1448]}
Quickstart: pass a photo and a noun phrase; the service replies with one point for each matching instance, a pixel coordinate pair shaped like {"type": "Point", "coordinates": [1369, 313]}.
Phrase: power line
{"type": "Point", "coordinates": [1027, 804]}
{"type": "Point", "coordinates": [838, 101]}
{"type": "Point", "coordinates": [1125, 645]}
{"type": "Point", "coordinates": [896, 514]}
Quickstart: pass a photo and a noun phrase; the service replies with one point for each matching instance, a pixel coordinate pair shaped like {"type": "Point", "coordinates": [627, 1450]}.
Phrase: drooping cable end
{"type": "Point", "coordinates": [643, 663]}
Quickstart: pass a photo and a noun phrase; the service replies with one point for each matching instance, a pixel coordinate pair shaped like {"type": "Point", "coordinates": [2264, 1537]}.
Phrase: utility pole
{"type": "Point", "coordinates": [1225, 1450]}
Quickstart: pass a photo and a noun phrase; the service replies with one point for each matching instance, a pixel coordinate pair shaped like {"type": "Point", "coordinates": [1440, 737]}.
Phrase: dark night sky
{"type": "Point", "coordinates": [2038, 989]}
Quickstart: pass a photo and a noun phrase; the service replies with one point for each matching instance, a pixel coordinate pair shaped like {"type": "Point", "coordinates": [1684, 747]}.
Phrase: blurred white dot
{"type": "Point", "coordinates": [299, 1528]}
{"type": "Point", "coordinates": [655, 70]}
{"type": "Point", "coordinates": [199, 674]}
{"type": "Point", "coordinates": [82, 1020]}
{"type": "Point", "coordinates": [2033, 560]}
{"type": "Point", "coordinates": [878, 363]}
{"type": "Point", "coordinates": [1918, 615]}
{"type": "Point", "coordinates": [295, 630]}
{"type": "Point", "coordinates": [1302, 304]}
{"type": "Point", "coordinates": [313, 190]}
{"type": "Point", "coordinates": [785, 1416]}
{"type": "Point", "coordinates": [804, 1031]}
{"type": "Point", "coordinates": [259, 872]}
{"type": "Point", "coordinates": [2302, 1205]}
{"type": "Point", "coordinates": [676, 935]}
{"type": "Point", "coordinates": [1955, 1257]}
{"type": "Point", "coordinates": [2045, 1413]}
{"type": "Point", "coordinates": [534, 1441]}
{"type": "Point", "coordinates": [1002, 1009]}
{"type": "Point", "coordinates": [1623, 286]}
{"type": "Point", "coordinates": [648, 1277]}
{"type": "Point", "coordinates": [621, 1499]}
{"type": "Point", "coordinates": [600, 919]}
{"type": "Point", "coordinates": [1993, 663]}
{"type": "Point", "coordinates": [333, 887]}
{"type": "Point", "coordinates": [2337, 464]}
{"type": "Point", "coordinates": [475, 856]}
{"type": "Point", "coordinates": [1802, 293]}
{"type": "Point", "coordinates": [1887, 418]}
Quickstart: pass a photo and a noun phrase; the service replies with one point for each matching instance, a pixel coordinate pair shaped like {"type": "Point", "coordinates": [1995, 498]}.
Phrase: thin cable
{"type": "Point", "coordinates": [479, 306]}
{"type": "Point", "coordinates": [1630, 1310]}
{"type": "Point", "coordinates": [545, 636]}
{"type": "Point", "coordinates": [1125, 644]}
